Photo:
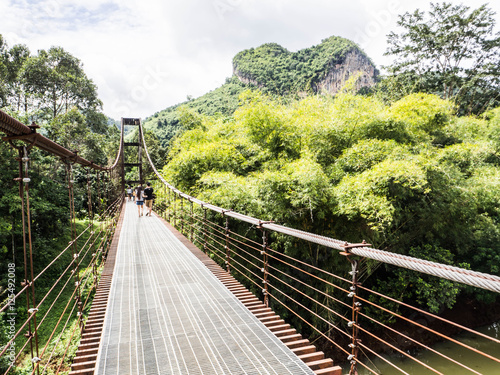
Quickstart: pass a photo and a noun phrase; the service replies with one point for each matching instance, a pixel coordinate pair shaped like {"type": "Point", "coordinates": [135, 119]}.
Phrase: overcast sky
{"type": "Point", "coordinates": [146, 55]}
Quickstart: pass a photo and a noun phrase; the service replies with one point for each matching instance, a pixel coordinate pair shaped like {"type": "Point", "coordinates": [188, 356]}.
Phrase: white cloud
{"type": "Point", "coordinates": [146, 55]}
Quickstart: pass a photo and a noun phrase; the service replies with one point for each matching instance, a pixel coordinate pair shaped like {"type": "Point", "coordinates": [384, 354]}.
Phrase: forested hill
{"type": "Point", "coordinates": [324, 68]}
{"type": "Point", "coordinates": [273, 69]}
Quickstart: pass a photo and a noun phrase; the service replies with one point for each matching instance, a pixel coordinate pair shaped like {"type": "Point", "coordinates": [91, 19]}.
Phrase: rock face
{"type": "Point", "coordinates": [246, 78]}
{"type": "Point", "coordinates": [337, 74]}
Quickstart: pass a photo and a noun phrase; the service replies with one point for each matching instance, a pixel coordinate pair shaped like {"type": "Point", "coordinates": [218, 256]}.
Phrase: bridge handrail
{"type": "Point", "coordinates": [16, 130]}
{"type": "Point", "coordinates": [457, 274]}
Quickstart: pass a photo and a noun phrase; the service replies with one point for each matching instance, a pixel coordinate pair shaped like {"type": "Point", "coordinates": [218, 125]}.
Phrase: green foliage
{"type": "Point", "coordinates": [188, 118]}
{"type": "Point", "coordinates": [190, 165]}
{"type": "Point", "coordinates": [453, 51]}
{"type": "Point", "coordinates": [46, 85]}
{"type": "Point", "coordinates": [377, 194]}
{"type": "Point", "coordinates": [70, 129]}
{"type": "Point", "coordinates": [410, 177]}
{"type": "Point", "coordinates": [269, 127]}
{"type": "Point", "coordinates": [365, 154]}
{"type": "Point", "coordinates": [52, 89]}
{"type": "Point", "coordinates": [422, 112]}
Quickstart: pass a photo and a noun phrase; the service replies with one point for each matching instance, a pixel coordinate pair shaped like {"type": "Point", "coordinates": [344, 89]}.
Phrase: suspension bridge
{"type": "Point", "coordinates": [201, 289]}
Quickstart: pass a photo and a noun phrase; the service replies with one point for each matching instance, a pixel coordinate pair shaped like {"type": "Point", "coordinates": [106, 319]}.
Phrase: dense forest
{"type": "Point", "coordinates": [410, 177]}
{"type": "Point", "coordinates": [51, 89]}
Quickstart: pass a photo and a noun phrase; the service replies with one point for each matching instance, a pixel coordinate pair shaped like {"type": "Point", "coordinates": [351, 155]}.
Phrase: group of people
{"type": "Point", "coordinates": [142, 197]}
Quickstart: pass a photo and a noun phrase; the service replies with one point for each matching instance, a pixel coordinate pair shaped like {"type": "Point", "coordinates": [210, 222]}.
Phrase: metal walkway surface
{"type": "Point", "coordinates": [168, 314]}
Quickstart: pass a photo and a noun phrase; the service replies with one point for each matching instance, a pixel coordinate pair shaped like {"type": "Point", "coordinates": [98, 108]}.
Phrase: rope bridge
{"type": "Point", "coordinates": [348, 320]}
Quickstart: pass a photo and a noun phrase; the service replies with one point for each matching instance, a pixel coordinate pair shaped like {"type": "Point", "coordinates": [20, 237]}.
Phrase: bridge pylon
{"type": "Point", "coordinates": [138, 144]}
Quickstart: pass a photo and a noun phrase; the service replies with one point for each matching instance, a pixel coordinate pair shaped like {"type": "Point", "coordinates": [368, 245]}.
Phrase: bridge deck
{"type": "Point", "coordinates": [168, 314]}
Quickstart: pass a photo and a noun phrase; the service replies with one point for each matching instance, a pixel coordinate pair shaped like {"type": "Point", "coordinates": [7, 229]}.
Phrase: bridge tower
{"type": "Point", "coordinates": [138, 144]}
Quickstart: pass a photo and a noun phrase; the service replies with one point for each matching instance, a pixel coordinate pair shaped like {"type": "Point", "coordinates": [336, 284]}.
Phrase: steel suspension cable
{"type": "Point", "coordinates": [309, 298]}
{"type": "Point", "coordinates": [311, 287]}
{"type": "Point", "coordinates": [310, 274]}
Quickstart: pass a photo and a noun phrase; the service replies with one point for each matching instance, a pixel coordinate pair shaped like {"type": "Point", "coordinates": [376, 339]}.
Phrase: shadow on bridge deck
{"type": "Point", "coordinates": [167, 313]}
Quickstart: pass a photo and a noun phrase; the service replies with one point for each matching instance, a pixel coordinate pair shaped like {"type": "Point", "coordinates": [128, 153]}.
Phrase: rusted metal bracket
{"type": "Point", "coordinates": [259, 226]}
{"type": "Point", "coordinates": [348, 246]}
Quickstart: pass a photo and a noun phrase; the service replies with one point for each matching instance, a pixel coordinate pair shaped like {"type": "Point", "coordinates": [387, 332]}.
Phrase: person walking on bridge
{"type": "Point", "coordinates": [139, 197]}
{"type": "Point", "coordinates": [148, 197]}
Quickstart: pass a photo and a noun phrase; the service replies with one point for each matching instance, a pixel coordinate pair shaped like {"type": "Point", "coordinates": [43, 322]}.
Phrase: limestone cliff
{"type": "Point", "coordinates": [338, 73]}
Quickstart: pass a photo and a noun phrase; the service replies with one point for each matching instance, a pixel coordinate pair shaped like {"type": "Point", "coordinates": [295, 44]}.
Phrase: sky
{"type": "Point", "coordinates": [147, 55]}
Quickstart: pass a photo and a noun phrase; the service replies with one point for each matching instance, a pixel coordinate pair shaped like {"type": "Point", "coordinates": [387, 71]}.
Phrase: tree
{"type": "Point", "coordinates": [15, 60]}
{"type": "Point", "coordinates": [70, 130]}
{"type": "Point", "coordinates": [58, 81]}
{"type": "Point", "coordinates": [3, 73]}
{"type": "Point", "coordinates": [453, 52]}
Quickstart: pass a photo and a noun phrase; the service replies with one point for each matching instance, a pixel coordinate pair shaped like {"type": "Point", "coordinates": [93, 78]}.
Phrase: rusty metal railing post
{"type": "Point", "coordinates": [205, 230]}
{"type": "Point", "coordinates": [354, 317]}
{"type": "Point", "coordinates": [182, 213]}
{"type": "Point", "coordinates": [174, 211]}
{"type": "Point", "coordinates": [265, 262]}
{"type": "Point", "coordinates": [99, 208]}
{"type": "Point", "coordinates": [76, 271]}
{"type": "Point", "coordinates": [164, 213]}
{"type": "Point", "coordinates": [89, 196]}
{"type": "Point", "coordinates": [356, 305]}
{"type": "Point", "coordinates": [226, 246]}
{"type": "Point", "coordinates": [169, 206]}
{"type": "Point", "coordinates": [91, 218]}
{"type": "Point", "coordinates": [24, 181]}
{"type": "Point", "coordinates": [265, 267]}
{"type": "Point", "coordinates": [192, 222]}
{"type": "Point", "coordinates": [108, 190]}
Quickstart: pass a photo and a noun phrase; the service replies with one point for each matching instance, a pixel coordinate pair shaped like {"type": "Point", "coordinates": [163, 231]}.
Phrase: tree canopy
{"type": "Point", "coordinates": [355, 168]}
{"type": "Point", "coordinates": [452, 51]}
{"type": "Point", "coordinates": [43, 86]}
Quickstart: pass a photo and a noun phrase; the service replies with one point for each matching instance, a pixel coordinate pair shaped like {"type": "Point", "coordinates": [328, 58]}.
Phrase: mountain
{"type": "Point", "coordinates": [324, 68]}
{"type": "Point", "coordinates": [271, 68]}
